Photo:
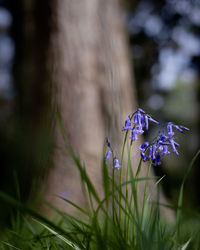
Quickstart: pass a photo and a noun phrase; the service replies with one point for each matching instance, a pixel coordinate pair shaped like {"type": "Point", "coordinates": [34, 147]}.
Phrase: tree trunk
{"type": "Point", "coordinates": [95, 90]}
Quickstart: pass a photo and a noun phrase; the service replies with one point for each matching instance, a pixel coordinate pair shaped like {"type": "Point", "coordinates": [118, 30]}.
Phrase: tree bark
{"type": "Point", "coordinates": [94, 89]}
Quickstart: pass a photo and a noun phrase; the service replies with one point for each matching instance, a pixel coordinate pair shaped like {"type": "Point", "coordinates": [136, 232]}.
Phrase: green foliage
{"type": "Point", "coordinates": [118, 221]}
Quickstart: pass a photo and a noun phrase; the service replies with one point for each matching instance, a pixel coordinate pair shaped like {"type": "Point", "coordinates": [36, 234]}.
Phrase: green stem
{"type": "Point", "coordinates": [121, 171]}
{"type": "Point", "coordinates": [136, 189]}
{"type": "Point", "coordinates": [146, 189]}
{"type": "Point", "coordinates": [113, 201]}
{"type": "Point", "coordinates": [127, 178]}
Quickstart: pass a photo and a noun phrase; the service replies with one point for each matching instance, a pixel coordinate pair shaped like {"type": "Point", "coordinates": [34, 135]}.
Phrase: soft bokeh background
{"type": "Point", "coordinates": [164, 39]}
{"type": "Point", "coordinates": [165, 48]}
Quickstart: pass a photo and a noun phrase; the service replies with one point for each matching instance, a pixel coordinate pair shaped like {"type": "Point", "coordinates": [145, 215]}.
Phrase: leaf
{"type": "Point", "coordinates": [74, 205]}
{"type": "Point", "coordinates": [180, 200]}
{"type": "Point", "coordinates": [59, 236]}
{"type": "Point", "coordinates": [8, 244]}
{"type": "Point", "coordinates": [184, 247]}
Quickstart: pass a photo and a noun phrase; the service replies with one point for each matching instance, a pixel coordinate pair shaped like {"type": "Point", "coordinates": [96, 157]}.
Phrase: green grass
{"type": "Point", "coordinates": [121, 220]}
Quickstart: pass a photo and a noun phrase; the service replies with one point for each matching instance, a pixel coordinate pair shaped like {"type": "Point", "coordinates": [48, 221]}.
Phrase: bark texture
{"type": "Point", "coordinates": [94, 90]}
{"type": "Point", "coordinates": [94, 84]}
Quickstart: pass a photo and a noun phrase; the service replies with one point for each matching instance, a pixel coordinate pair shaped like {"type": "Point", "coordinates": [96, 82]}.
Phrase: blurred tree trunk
{"type": "Point", "coordinates": [83, 65]}
{"type": "Point", "coordinates": [94, 88]}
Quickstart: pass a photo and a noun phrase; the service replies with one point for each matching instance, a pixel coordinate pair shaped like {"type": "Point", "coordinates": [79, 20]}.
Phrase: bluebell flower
{"type": "Point", "coordinates": [152, 120]}
{"type": "Point", "coordinates": [144, 157]}
{"type": "Point", "coordinates": [146, 120]}
{"type": "Point", "coordinates": [157, 160]}
{"type": "Point", "coordinates": [108, 155]}
{"type": "Point", "coordinates": [138, 119]}
{"type": "Point", "coordinates": [139, 129]}
{"type": "Point", "coordinates": [127, 124]}
{"type": "Point", "coordinates": [162, 143]}
{"type": "Point", "coordinates": [180, 128]}
{"type": "Point", "coordinates": [169, 129]}
{"type": "Point", "coordinates": [165, 150]}
{"type": "Point", "coordinates": [134, 135]}
{"type": "Point", "coordinates": [143, 146]}
{"type": "Point", "coordinates": [152, 151]}
{"type": "Point", "coordinates": [173, 145]}
{"type": "Point", "coordinates": [116, 163]}
{"type": "Point", "coordinates": [108, 142]}
{"type": "Point", "coordinates": [140, 123]}
{"type": "Point", "coordinates": [184, 128]}
{"type": "Point", "coordinates": [141, 110]}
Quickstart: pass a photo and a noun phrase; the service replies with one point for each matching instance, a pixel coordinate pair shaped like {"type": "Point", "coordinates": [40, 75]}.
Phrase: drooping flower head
{"type": "Point", "coordinates": [162, 145]}
{"type": "Point", "coordinates": [108, 155]}
{"type": "Point", "coordinates": [137, 123]}
{"type": "Point", "coordinates": [116, 164]}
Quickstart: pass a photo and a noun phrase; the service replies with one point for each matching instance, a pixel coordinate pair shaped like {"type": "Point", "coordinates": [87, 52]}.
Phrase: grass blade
{"type": "Point", "coordinates": [180, 200]}
{"type": "Point", "coordinates": [59, 236]}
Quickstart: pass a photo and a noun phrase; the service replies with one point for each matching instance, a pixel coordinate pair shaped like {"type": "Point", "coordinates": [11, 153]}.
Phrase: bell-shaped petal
{"type": "Point", "coordinates": [127, 125]}
{"type": "Point", "coordinates": [134, 135]}
{"type": "Point", "coordinates": [116, 163]}
{"type": "Point", "coordinates": [143, 146]}
{"type": "Point", "coordinates": [108, 142]}
{"type": "Point", "coordinates": [108, 155]}
{"type": "Point", "coordinates": [169, 129]}
{"type": "Point", "coordinates": [157, 160]}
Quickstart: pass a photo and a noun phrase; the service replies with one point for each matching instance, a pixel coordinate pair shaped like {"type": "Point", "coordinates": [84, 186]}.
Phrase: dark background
{"type": "Point", "coordinates": [164, 41]}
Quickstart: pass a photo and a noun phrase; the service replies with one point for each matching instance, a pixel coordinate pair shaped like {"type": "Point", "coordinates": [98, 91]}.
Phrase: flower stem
{"type": "Point", "coordinates": [121, 171]}
{"type": "Point", "coordinates": [136, 189]}
{"type": "Point", "coordinates": [146, 189]}
{"type": "Point", "coordinates": [113, 201]}
{"type": "Point", "coordinates": [126, 224]}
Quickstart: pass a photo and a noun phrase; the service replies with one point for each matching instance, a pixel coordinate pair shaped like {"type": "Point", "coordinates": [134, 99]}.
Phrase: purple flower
{"type": "Point", "coordinates": [116, 163]}
{"type": "Point", "coordinates": [178, 128]}
{"type": "Point", "coordinates": [160, 146]}
{"type": "Point", "coordinates": [146, 122]}
{"type": "Point", "coordinates": [139, 129]}
{"type": "Point", "coordinates": [144, 157]}
{"type": "Point", "coordinates": [141, 110]}
{"type": "Point", "coordinates": [108, 142]}
{"type": "Point", "coordinates": [127, 124]}
{"type": "Point", "coordinates": [184, 128]}
{"type": "Point", "coordinates": [108, 155]}
{"type": "Point", "coordinates": [169, 129]}
{"type": "Point", "coordinates": [173, 145]}
{"type": "Point", "coordinates": [134, 135]}
{"type": "Point", "coordinates": [157, 160]}
{"type": "Point", "coordinates": [165, 150]}
{"type": "Point", "coordinates": [152, 120]}
{"type": "Point", "coordinates": [138, 119]}
{"type": "Point", "coordinates": [143, 146]}
{"type": "Point", "coordinates": [152, 151]}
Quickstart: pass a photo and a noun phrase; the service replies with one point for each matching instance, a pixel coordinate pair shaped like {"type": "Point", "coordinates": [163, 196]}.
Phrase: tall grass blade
{"type": "Point", "coordinates": [180, 200]}
{"type": "Point", "coordinates": [8, 244]}
{"type": "Point", "coordinates": [71, 244]}
{"type": "Point", "coordinates": [75, 205]}
{"type": "Point", "coordinates": [11, 201]}
{"type": "Point", "coordinates": [184, 247]}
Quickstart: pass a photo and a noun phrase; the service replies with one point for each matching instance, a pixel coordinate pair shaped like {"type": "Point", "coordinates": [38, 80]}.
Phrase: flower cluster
{"type": "Point", "coordinates": [139, 124]}
{"type": "Point", "coordinates": [161, 144]}
{"type": "Point", "coordinates": [164, 143]}
{"type": "Point", "coordinates": [116, 164]}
